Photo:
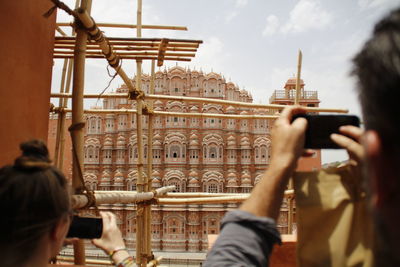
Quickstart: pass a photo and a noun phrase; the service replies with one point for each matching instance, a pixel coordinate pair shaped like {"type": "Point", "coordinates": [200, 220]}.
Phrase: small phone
{"type": "Point", "coordinates": [85, 227]}
{"type": "Point", "coordinates": [320, 127]}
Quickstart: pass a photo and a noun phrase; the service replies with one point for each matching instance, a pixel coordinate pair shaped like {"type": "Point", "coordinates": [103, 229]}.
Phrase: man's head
{"type": "Point", "coordinates": [377, 68]}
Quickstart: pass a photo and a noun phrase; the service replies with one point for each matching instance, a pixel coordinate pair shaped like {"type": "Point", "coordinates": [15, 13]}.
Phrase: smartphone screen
{"type": "Point", "coordinates": [320, 127]}
{"type": "Point", "coordinates": [86, 228]}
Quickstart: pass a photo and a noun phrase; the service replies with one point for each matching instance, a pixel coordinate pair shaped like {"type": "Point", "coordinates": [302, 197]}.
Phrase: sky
{"type": "Point", "coordinates": [253, 43]}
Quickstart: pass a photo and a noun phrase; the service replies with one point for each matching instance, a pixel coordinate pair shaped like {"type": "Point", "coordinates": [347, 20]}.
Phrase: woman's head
{"type": "Point", "coordinates": [33, 200]}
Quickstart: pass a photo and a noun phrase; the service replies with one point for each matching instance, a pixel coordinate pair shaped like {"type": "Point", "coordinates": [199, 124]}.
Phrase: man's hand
{"type": "Point", "coordinates": [288, 138]}
{"type": "Point", "coordinates": [352, 145]}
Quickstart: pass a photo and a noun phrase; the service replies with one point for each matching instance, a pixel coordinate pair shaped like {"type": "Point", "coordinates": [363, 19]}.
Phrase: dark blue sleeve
{"type": "Point", "coordinates": [245, 240]}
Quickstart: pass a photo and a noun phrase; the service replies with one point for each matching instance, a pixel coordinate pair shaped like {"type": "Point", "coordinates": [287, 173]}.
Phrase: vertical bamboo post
{"type": "Point", "coordinates": [64, 105]}
{"type": "Point", "coordinates": [140, 223]}
{"type": "Point", "coordinates": [62, 115]}
{"type": "Point", "coordinates": [149, 160]}
{"type": "Point", "coordinates": [59, 149]}
{"type": "Point", "coordinates": [298, 90]}
{"type": "Point", "coordinates": [59, 119]}
{"type": "Point", "coordinates": [140, 260]}
{"type": "Point", "coordinates": [77, 117]}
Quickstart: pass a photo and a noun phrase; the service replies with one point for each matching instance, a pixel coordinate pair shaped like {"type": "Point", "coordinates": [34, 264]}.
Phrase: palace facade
{"type": "Point", "coordinates": [195, 154]}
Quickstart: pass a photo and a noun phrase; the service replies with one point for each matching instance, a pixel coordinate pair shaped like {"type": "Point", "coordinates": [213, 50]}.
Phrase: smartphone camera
{"type": "Point", "coordinates": [320, 127]}
{"type": "Point", "coordinates": [85, 227]}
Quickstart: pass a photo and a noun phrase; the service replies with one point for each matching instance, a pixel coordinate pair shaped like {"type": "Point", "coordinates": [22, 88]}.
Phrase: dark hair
{"type": "Point", "coordinates": [33, 198]}
{"type": "Point", "coordinates": [377, 68]}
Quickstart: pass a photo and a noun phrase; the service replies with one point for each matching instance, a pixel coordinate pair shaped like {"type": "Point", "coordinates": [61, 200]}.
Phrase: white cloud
{"type": "Point", "coordinates": [367, 4]}
{"type": "Point", "coordinates": [241, 3]}
{"type": "Point", "coordinates": [231, 16]}
{"type": "Point", "coordinates": [307, 15]}
{"type": "Point", "coordinates": [272, 25]}
{"type": "Point", "coordinates": [211, 53]}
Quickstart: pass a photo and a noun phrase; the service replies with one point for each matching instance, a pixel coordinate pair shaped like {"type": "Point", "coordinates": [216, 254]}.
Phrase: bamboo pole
{"type": "Point", "coordinates": [88, 261]}
{"type": "Point", "coordinates": [61, 56]}
{"type": "Point", "coordinates": [107, 50]}
{"type": "Point", "coordinates": [139, 40]}
{"type": "Point", "coordinates": [197, 115]}
{"type": "Point", "coordinates": [178, 114]}
{"type": "Point", "coordinates": [125, 48]}
{"type": "Point", "coordinates": [141, 242]}
{"type": "Point", "coordinates": [63, 114]}
{"type": "Point", "coordinates": [79, 201]}
{"type": "Point", "coordinates": [207, 100]}
{"type": "Point", "coordinates": [122, 54]}
{"type": "Point", "coordinates": [163, 194]}
{"type": "Point", "coordinates": [77, 118]}
{"type": "Point", "coordinates": [59, 120]}
{"type": "Point", "coordinates": [131, 26]}
{"type": "Point", "coordinates": [147, 208]}
{"type": "Point", "coordinates": [298, 89]}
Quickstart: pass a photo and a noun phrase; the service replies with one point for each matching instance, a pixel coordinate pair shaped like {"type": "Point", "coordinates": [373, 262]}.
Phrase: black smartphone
{"type": "Point", "coordinates": [320, 127]}
{"type": "Point", "coordinates": [85, 227]}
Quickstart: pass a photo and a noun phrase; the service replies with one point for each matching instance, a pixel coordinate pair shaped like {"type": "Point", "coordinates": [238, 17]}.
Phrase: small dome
{"type": "Point", "coordinates": [244, 142]}
{"type": "Point", "coordinates": [193, 173]}
{"type": "Point", "coordinates": [156, 183]}
{"type": "Point", "coordinates": [108, 142]}
{"type": "Point", "coordinates": [246, 182]}
{"type": "Point", "coordinates": [292, 81]}
{"type": "Point", "coordinates": [231, 175]}
{"type": "Point", "coordinates": [118, 177]}
{"type": "Point", "coordinates": [158, 103]}
{"type": "Point", "coordinates": [155, 173]}
{"type": "Point", "coordinates": [232, 183]}
{"type": "Point", "coordinates": [194, 137]}
{"type": "Point", "coordinates": [246, 175]}
{"type": "Point", "coordinates": [193, 144]}
{"type": "Point", "coordinates": [194, 109]}
{"type": "Point", "coordinates": [121, 141]}
{"type": "Point", "coordinates": [157, 136]}
{"type": "Point", "coordinates": [194, 183]}
{"type": "Point", "coordinates": [105, 178]}
{"type": "Point", "coordinates": [157, 143]}
{"type": "Point", "coordinates": [230, 109]}
{"type": "Point", "coordinates": [244, 112]}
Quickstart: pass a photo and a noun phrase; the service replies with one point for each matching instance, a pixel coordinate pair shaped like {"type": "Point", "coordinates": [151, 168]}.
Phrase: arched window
{"type": "Point", "coordinates": [212, 187]}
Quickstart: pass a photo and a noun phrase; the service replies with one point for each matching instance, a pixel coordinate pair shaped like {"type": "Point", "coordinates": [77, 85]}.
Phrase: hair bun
{"type": "Point", "coordinates": [35, 150]}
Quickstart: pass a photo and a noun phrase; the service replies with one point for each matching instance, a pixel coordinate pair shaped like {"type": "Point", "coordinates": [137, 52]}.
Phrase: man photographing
{"type": "Point", "coordinates": [248, 234]}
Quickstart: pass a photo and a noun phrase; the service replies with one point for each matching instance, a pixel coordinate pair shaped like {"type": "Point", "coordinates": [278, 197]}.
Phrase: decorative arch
{"type": "Point", "coordinates": [176, 178]}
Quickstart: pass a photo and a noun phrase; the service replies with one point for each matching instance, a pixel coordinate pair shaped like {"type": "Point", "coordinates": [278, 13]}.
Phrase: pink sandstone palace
{"type": "Point", "coordinates": [194, 154]}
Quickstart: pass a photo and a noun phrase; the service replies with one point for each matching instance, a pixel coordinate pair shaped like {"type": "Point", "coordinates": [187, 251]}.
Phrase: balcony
{"type": "Point", "coordinates": [291, 94]}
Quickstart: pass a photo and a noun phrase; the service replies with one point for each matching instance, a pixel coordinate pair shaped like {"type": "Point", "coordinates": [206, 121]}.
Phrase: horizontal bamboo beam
{"type": "Point", "coordinates": [131, 26]}
{"type": "Point", "coordinates": [133, 43]}
{"type": "Point", "coordinates": [133, 39]}
{"type": "Point", "coordinates": [145, 53]}
{"type": "Point", "coordinates": [200, 194]}
{"type": "Point", "coordinates": [88, 261]}
{"type": "Point", "coordinates": [205, 100]}
{"type": "Point", "coordinates": [177, 114]}
{"type": "Point", "coordinates": [58, 56]}
{"type": "Point", "coordinates": [91, 47]}
{"type": "Point", "coordinates": [118, 197]}
{"type": "Point", "coordinates": [209, 200]}
{"type": "Point", "coordinates": [214, 115]}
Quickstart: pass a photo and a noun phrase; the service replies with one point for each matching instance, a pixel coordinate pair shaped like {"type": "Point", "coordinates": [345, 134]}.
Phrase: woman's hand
{"type": "Point", "coordinates": [111, 237]}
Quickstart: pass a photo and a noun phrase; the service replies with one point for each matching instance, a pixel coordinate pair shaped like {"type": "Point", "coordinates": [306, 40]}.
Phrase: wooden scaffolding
{"type": "Point", "coordinates": [88, 41]}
